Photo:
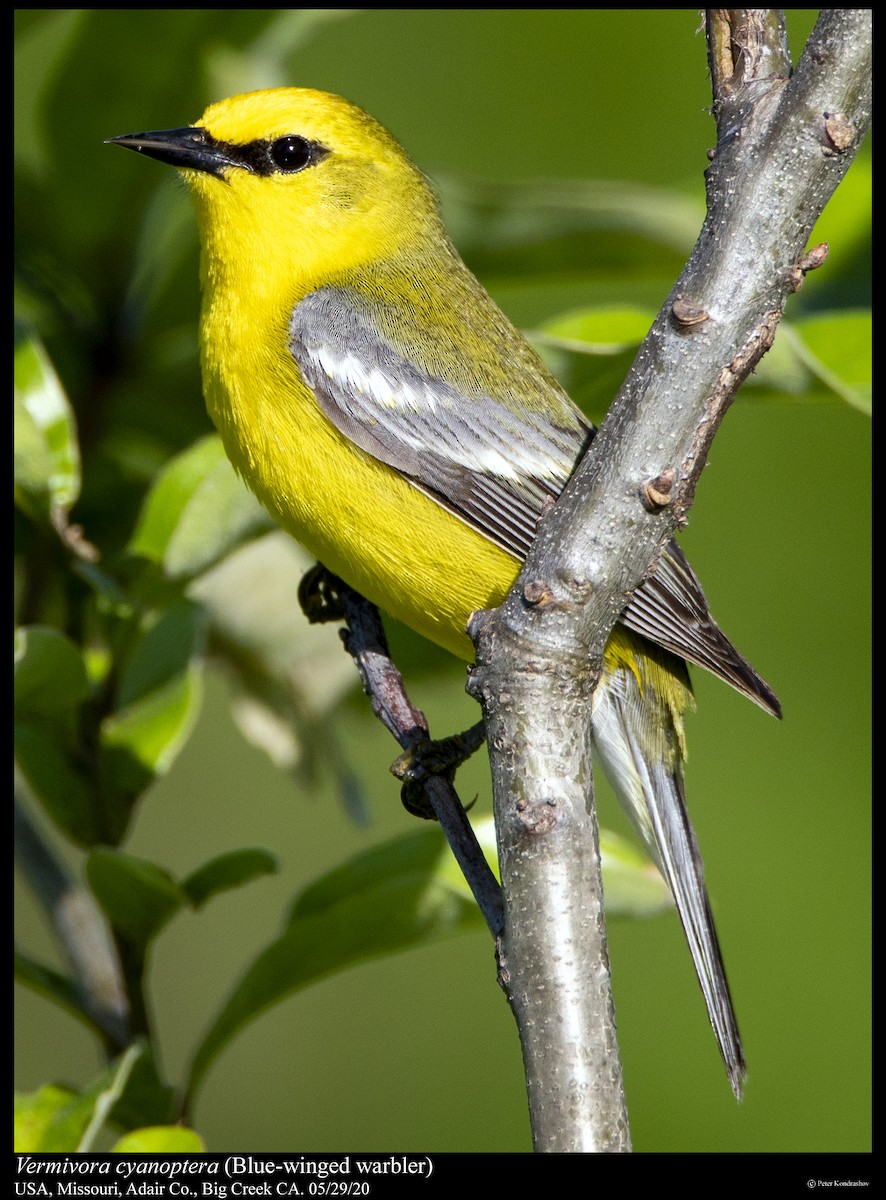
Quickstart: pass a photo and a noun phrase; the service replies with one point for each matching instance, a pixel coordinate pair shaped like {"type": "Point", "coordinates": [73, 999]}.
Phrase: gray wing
{"type": "Point", "coordinates": [493, 466]}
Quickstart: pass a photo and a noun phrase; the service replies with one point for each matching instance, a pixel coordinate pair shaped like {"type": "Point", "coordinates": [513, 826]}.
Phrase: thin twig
{"type": "Point", "coordinates": [365, 641]}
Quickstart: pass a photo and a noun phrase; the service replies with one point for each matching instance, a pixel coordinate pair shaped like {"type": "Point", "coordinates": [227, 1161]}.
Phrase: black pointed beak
{"type": "Point", "coordinates": [190, 149]}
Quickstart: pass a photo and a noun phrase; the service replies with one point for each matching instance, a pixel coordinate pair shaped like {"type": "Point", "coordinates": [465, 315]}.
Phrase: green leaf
{"type": "Point", "coordinates": [837, 348]}
{"type": "Point", "coordinates": [228, 871]}
{"type": "Point", "coordinates": [160, 695]}
{"type": "Point", "coordinates": [197, 512]}
{"type": "Point", "coordinates": [55, 1120]}
{"type": "Point", "coordinates": [59, 780]}
{"type": "Point", "coordinates": [31, 462]}
{"type": "Point", "coordinates": [160, 1139]}
{"type": "Point", "coordinates": [50, 682]}
{"type": "Point", "coordinates": [144, 740]}
{"type": "Point", "coordinates": [137, 896]}
{"type": "Point", "coordinates": [50, 678]}
{"type": "Point", "coordinates": [163, 654]}
{"type": "Point", "coordinates": [601, 329]}
{"type": "Point", "coordinates": [38, 1114]}
{"type": "Point", "coordinates": [47, 456]}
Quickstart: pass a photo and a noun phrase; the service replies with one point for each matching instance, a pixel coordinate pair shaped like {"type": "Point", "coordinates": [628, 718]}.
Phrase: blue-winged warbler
{"type": "Point", "coordinates": [390, 417]}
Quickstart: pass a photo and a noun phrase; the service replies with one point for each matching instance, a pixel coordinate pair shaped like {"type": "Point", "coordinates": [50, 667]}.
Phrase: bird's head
{"type": "Point", "coordinates": [296, 174]}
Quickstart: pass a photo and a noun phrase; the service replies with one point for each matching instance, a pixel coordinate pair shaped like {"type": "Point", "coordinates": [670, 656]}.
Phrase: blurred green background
{"type": "Point", "coordinates": [419, 1052]}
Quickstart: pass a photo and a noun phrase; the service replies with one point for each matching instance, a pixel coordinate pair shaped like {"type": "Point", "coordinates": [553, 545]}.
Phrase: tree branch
{"type": "Point", "coordinates": [783, 147]}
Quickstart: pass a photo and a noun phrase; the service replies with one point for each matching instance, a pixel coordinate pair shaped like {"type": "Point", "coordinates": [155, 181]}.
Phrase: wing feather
{"type": "Point", "coordinates": [671, 610]}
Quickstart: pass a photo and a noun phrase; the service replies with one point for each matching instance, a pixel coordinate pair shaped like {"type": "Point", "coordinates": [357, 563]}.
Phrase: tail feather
{"type": "Point", "coordinates": [644, 766]}
{"type": "Point", "coordinates": [681, 863]}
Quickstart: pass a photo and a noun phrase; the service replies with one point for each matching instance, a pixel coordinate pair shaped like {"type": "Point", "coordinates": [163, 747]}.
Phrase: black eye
{"type": "Point", "coordinates": [291, 153]}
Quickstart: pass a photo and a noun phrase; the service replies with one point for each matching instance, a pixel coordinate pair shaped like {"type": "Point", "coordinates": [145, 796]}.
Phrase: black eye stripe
{"type": "Point", "coordinates": [284, 155]}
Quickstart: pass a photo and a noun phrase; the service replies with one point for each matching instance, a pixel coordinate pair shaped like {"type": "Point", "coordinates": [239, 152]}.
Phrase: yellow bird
{"type": "Point", "coordinates": [391, 418]}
